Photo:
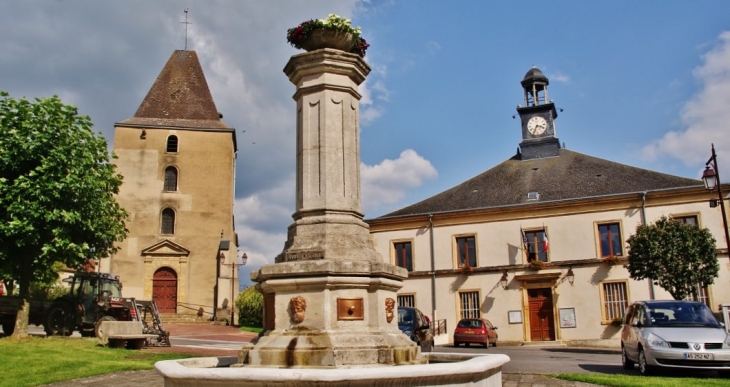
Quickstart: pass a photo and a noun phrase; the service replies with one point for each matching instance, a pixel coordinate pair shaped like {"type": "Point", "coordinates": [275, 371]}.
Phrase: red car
{"type": "Point", "coordinates": [475, 330]}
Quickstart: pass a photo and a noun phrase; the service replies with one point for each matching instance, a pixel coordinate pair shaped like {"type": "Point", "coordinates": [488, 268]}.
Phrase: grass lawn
{"type": "Point", "coordinates": [37, 360]}
{"type": "Point", "coordinates": [251, 329]}
{"type": "Point", "coordinates": [620, 380]}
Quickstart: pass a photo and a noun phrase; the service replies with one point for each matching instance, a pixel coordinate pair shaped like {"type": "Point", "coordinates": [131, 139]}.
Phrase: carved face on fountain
{"type": "Point", "coordinates": [297, 306]}
{"type": "Point", "coordinates": [389, 306]}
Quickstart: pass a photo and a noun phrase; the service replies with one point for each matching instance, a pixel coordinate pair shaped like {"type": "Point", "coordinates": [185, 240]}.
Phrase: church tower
{"type": "Point", "coordinates": [538, 118]}
{"type": "Point", "coordinates": [178, 162]}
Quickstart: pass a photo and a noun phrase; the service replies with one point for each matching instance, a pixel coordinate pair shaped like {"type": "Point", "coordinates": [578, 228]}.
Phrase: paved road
{"type": "Point", "coordinates": [534, 359]}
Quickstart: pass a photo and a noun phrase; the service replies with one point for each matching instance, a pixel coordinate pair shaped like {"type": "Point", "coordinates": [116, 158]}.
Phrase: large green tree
{"type": "Point", "coordinates": [57, 188]}
{"type": "Point", "coordinates": [676, 255]}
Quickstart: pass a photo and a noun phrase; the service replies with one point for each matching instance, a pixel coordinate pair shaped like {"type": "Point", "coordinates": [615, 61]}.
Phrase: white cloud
{"type": "Point", "coordinates": [433, 47]}
{"type": "Point", "coordinates": [387, 182]}
{"type": "Point", "coordinates": [706, 115]}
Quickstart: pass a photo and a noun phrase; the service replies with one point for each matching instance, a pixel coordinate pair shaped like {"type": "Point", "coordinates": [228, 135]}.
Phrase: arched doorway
{"type": "Point", "coordinates": [164, 290]}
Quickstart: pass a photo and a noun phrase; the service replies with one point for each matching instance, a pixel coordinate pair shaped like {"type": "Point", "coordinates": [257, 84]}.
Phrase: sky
{"type": "Point", "coordinates": [641, 83]}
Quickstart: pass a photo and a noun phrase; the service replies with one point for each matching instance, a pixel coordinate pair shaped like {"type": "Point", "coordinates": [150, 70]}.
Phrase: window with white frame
{"type": "Point", "coordinates": [469, 305]}
{"type": "Point", "coordinates": [408, 300]}
{"type": "Point", "coordinates": [703, 295]}
{"type": "Point", "coordinates": [615, 300]}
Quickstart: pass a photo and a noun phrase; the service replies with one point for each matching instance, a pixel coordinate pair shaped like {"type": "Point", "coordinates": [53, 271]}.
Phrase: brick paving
{"type": "Point", "coordinates": [150, 378]}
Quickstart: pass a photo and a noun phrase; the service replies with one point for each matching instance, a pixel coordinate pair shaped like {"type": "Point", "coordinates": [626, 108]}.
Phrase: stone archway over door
{"type": "Point", "coordinates": [164, 290]}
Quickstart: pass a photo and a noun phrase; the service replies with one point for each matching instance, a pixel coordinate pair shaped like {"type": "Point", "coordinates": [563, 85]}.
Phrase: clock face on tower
{"type": "Point", "coordinates": [536, 126]}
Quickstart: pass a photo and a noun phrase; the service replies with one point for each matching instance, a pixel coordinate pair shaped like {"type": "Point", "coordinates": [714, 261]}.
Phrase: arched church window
{"type": "Point", "coordinates": [168, 221]}
{"type": "Point", "coordinates": [172, 144]}
{"type": "Point", "coordinates": [170, 179]}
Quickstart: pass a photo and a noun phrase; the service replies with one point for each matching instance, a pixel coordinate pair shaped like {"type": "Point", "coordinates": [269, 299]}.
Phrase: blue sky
{"type": "Point", "coordinates": [641, 83]}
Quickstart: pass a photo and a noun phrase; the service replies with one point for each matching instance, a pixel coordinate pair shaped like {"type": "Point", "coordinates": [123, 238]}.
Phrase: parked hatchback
{"type": "Point", "coordinates": [413, 323]}
{"type": "Point", "coordinates": [674, 334]}
{"type": "Point", "coordinates": [475, 330]}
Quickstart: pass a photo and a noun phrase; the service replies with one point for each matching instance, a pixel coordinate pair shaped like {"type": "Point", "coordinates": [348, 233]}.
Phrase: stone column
{"type": "Point", "coordinates": [328, 218]}
{"type": "Point", "coordinates": [331, 295]}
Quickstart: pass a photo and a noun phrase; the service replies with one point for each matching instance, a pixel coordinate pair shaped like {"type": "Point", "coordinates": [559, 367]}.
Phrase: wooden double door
{"type": "Point", "coordinates": [542, 321]}
{"type": "Point", "coordinates": [164, 290]}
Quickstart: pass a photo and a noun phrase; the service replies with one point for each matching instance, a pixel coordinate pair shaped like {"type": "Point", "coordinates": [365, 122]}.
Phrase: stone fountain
{"type": "Point", "coordinates": [330, 297]}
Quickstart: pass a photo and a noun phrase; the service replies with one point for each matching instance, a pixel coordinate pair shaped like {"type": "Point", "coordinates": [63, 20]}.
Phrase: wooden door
{"type": "Point", "coordinates": [164, 290]}
{"type": "Point", "coordinates": [542, 324]}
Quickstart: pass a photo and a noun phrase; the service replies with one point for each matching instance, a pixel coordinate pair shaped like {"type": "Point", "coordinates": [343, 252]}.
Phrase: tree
{"type": "Point", "coordinates": [678, 256]}
{"type": "Point", "coordinates": [57, 188]}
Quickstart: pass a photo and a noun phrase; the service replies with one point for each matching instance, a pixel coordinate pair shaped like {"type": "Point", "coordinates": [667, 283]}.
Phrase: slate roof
{"type": "Point", "coordinates": [570, 175]}
{"type": "Point", "coordinates": [180, 97]}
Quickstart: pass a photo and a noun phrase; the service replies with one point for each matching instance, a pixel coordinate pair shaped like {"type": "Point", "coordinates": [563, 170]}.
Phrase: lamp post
{"type": "Point", "coordinates": [223, 245]}
{"type": "Point", "coordinates": [711, 177]}
{"type": "Point", "coordinates": [235, 265]}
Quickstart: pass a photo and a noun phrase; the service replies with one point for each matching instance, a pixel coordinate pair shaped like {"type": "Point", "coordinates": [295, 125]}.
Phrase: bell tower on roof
{"type": "Point", "coordinates": [537, 118]}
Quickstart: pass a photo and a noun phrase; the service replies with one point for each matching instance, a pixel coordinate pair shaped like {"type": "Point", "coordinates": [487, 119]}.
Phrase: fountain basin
{"type": "Point", "coordinates": [445, 369]}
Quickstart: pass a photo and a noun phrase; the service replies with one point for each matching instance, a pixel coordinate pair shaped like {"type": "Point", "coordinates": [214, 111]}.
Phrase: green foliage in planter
{"type": "Point", "coordinates": [250, 305]}
{"type": "Point", "coordinates": [295, 36]}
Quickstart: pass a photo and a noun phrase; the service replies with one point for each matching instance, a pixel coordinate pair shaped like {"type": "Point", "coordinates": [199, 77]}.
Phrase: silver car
{"type": "Point", "coordinates": [674, 334]}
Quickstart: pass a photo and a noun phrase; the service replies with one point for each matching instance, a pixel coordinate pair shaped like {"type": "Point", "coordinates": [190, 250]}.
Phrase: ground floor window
{"type": "Point", "coordinates": [408, 300]}
{"type": "Point", "coordinates": [703, 295]}
{"type": "Point", "coordinates": [615, 300]}
{"type": "Point", "coordinates": [469, 305]}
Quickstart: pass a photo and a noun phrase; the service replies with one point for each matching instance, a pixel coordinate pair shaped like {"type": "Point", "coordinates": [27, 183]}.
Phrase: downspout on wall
{"type": "Point", "coordinates": [433, 272]}
{"type": "Point", "coordinates": [643, 222]}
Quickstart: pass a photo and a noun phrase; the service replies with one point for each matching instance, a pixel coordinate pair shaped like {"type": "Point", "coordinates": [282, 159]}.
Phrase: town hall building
{"type": "Point", "coordinates": [537, 243]}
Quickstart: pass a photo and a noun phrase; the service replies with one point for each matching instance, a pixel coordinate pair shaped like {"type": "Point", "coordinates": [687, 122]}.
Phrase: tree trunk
{"type": "Point", "coordinates": [21, 320]}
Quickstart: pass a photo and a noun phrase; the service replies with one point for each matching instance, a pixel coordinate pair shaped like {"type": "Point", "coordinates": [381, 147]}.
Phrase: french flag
{"type": "Point", "coordinates": [545, 243]}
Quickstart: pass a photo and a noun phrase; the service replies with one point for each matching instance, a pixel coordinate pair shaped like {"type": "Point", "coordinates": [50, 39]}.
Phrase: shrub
{"type": "Point", "coordinates": [250, 305]}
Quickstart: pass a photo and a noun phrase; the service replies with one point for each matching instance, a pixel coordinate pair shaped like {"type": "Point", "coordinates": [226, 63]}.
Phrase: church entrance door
{"type": "Point", "coordinates": [164, 290]}
{"type": "Point", "coordinates": [542, 325]}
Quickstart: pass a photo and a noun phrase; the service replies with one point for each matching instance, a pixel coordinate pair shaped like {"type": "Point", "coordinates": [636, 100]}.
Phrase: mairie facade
{"type": "Point", "coordinates": [537, 243]}
{"type": "Point", "coordinates": [178, 162]}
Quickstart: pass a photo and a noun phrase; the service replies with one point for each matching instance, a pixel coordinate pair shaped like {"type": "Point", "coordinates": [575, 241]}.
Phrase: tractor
{"type": "Point", "coordinates": [92, 298]}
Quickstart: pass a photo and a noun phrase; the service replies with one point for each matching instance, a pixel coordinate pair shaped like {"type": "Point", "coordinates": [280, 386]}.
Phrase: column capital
{"type": "Point", "coordinates": [303, 66]}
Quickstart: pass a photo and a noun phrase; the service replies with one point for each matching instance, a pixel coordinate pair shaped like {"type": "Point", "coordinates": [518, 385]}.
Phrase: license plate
{"type": "Point", "coordinates": [468, 332]}
{"type": "Point", "coordinates": [699, 356]}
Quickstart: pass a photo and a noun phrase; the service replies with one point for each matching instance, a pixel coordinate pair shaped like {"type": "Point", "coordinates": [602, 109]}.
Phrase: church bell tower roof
{"type": "Point", "coordinates": [180, 97]}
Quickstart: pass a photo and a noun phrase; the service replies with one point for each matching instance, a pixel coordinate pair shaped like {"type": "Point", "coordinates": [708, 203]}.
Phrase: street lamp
{"type": "Point", "coordinates": [711, 177]}
{"type": "Point", "coordinates": [223, 245]}
{"type": "Point", "coordinates": [235, 265]}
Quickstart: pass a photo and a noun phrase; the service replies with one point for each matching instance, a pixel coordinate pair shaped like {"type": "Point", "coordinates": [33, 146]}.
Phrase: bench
{"type": "Point", "coordinates": [118, 334]}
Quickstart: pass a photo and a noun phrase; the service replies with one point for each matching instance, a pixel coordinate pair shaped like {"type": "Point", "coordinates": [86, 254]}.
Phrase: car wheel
{"type": "Point", "coordinates": [625, 361]}
{"type": "Point", "coordinates": [456, 343]}
{"type": "Point", "coordinates": [486, 344]}
{"type": "Point", "coordinates": [8, 328]}
{"type": "Point", "coordinates": [495, 341]}
{"type": "Point", "coordinates": [466, 344]}
{"type": "Point", "coordinates": [644, 368]}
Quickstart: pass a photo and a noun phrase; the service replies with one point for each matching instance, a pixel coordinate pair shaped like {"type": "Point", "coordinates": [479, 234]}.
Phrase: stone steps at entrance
{"type": "Point", "coordinates": [175, 318]}
{"type": "Point", "coordinates": [544, 344]}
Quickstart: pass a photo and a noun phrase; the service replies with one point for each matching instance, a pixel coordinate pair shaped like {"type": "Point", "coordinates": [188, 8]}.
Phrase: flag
{"type": "Point", "coordinates": [524, 240]}
{"type": "Point", "coordinates": [544, 242]}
